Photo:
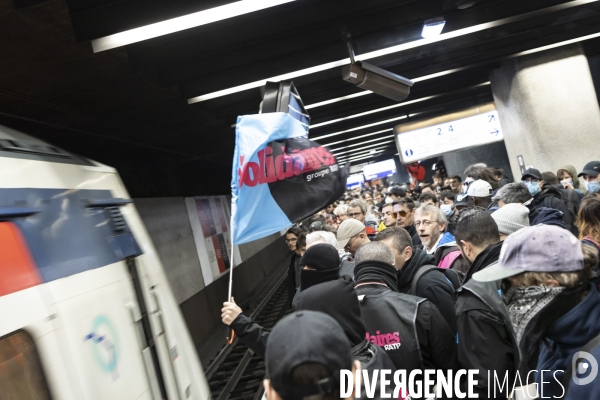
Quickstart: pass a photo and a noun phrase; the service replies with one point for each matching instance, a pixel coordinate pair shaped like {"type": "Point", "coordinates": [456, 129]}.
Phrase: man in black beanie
{"type": "Point", "coordinates": [410, 329]}
{"type": "Point", "coordinates": [320, 263]}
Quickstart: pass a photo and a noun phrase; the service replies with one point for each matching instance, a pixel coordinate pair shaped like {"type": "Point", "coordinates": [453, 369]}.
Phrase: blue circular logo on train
{"type": "Point", "coordinates": [105, 345]}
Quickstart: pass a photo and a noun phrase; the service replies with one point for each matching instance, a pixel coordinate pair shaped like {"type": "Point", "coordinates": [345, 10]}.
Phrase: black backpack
{"type": "Point", "coordinates": [456, 278]}
{"type": "Point", "coordinates": [572, 200]}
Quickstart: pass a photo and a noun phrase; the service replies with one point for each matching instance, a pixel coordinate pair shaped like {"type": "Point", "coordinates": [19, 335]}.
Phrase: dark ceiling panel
{"type": "Point", "coordinates": [127, 107]}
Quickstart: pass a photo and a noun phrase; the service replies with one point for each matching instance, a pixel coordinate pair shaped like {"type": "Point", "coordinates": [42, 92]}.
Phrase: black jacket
{"type": "Point", "coordinates": [293, 275]}
{"type": "Point", "coordinates": [412, 231]}
{"type": "Point", "coordinates": [432, 286]}
{"type": "Point", "coordinates": [410, 329]}
{"type": "Point", "coordinates": [488, 256]}
{"type": "Point", "coordinates": [338, 299]}
{"type": "Point", "coordinates": [486, 341]}
{"type": "Point", "coordinates": [347, 265]}
{"type": "Point", "coordinates": [425, 340]}
{"type": "Point", "coordinates": [551, 197]}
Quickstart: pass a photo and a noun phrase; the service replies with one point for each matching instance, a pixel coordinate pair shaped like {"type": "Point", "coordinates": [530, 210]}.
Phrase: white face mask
{"type": "Point", "coordinates": [567, 181]}
{"type": "Point", "coordinates": [447, 209]}
{"type": "Point", "coordinates": [389, 200]}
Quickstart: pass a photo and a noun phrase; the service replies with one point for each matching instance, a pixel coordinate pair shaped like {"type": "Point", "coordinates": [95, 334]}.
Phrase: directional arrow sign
{"type": "Point", "coordinates": [424, 143]}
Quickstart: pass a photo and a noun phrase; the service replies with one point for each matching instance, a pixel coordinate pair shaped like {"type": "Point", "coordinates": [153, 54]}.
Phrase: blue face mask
{"type": "Point", "coordinates": [447, 209]}
{"type": "Point", "coordinates": [593, 187]}
{"type": "Point", "coordinates": [534, 187]}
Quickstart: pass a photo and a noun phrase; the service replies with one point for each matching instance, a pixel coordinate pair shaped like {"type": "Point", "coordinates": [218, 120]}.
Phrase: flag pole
{"type": "Point", "coordinates": [229, 298]}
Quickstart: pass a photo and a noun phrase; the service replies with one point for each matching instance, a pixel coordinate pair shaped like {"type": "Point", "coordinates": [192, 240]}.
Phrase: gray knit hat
{"type": "Point", "coordinates": [511, 218]}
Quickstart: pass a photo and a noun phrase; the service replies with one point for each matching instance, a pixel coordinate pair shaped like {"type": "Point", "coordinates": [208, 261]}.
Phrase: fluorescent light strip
{"type": "Point", "coordinates": [361, 151]}
{"type": "Point", "coordinates": [350, 96]}
{"type": "Point", "coordinates": [378, 146]}
{"type": "Point", "coordinates": [391, 107]}
{"type": "Point", "coordinates": [360, 127]}
{"type": "Point", "coordinates": [389, 50]}
{"type": "Point", "coordinates": [355, 138]}
{"type": "Point", "coordinates": [366, 141]}
{"type": "Point", "coordinates": [182, 23]}
{"type": "Point", "coordinates": [360, 158]}
{"type": "Point", "coordinates": [374, 111]}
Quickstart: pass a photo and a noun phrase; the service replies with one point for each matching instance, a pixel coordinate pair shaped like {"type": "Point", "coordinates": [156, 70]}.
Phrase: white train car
{"type": "Point", "coordinates": [86, 311]}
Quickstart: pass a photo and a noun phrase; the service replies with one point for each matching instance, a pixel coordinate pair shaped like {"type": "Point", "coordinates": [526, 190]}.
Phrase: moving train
{"type": "Point", "coordinates": [86, 311]}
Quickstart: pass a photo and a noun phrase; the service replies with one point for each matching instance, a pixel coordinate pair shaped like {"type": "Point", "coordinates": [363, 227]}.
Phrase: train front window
{"type": "Point", "coordinates": [21, 375]}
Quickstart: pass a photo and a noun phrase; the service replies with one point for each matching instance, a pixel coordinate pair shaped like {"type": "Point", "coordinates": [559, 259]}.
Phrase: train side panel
{"type": "Point", "coordinates": [85, 326]}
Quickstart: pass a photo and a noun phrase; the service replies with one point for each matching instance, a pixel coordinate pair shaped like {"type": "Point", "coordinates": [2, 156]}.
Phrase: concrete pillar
{"type": "Point", "coordinates": [548, 109]}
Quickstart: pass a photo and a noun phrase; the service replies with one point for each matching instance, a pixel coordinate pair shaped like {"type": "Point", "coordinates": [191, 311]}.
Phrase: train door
{"type": "Point", "coordinates": [31, 367]}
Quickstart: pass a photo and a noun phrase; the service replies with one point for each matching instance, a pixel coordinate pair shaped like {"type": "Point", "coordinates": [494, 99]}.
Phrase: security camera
{"type": "Point", "coordinates": [377, 80]}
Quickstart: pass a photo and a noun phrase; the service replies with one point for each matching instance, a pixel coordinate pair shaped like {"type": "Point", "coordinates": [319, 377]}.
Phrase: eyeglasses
{"type": "Point", "coordinates": [392, 214]}
{"type": "Point", "coordinates": [400, 213]}
{"type": "Point", "coordinates": [294, 240]}
{"type": "Point", "coordinates": [349, 244]}
{"type": "Point", "coordinates": [424, 223]}
{"type": "Point", "coordinates": [354, 215]}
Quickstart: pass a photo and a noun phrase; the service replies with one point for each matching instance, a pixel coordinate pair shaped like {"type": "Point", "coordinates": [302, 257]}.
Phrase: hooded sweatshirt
{"type": "Point", "coordinates": [548, 216]}
{"type": "Point", "coordinates": [571, 169]}
{"type": "Point", "coordinates": [550, 197]}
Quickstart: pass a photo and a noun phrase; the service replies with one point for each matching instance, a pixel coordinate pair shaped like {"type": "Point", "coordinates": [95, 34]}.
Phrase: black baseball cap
{"type": "Point", "coordinates": [461, 200]}
{"type": "Point", "coordinates": [592, 168]}
{"type": "Point", "coordinates": [306, 337]}
{"type": "Point", "coordinates": [533, 173]}
{"type": "Point", "coordinates": [317, 226]}
{"type": "Point", "coordinates": [397, 191]}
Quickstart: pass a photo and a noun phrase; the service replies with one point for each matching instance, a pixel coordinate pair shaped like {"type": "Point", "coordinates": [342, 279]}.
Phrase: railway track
{"type": "Point", "coordinates": [237, 373]}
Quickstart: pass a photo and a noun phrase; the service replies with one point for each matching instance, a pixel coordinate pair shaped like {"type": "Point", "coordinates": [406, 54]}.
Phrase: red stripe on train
{"type": "Point", "coordinates": [17, 268]}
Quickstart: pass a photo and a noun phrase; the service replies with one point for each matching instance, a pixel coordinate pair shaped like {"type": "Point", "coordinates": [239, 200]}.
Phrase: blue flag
{"type": "Point", "coordinates": [279, 176]}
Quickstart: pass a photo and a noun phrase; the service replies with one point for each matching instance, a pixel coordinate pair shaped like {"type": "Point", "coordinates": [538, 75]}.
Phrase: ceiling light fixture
{"type": "Point", "coordinates": [182, 23]}
{"type": "Point", "coordinates": [356, 137]}
{"type": "Point", "coordinates": [393, 106]}
{"type": "Point", "coordinates": [361, 127]}
{"type": "Point", "coordinates": [365, 142]}
{"type": "Point", "coordinates": [358, 158]}
{"type": "Point", "coordinates": [336, 152]}
{"type": "Point", "coordinates": [433, 27]}
{"type": "Point", "coordinates": [390, 50]}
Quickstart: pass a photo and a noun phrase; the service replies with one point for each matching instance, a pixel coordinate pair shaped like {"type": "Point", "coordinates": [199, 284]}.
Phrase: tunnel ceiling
{"type": "Point", "coordinates": [127, 107]}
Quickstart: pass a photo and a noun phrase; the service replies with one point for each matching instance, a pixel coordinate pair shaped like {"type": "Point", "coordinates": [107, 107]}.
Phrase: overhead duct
{"type": "Point", "coordinates": [375, 79]}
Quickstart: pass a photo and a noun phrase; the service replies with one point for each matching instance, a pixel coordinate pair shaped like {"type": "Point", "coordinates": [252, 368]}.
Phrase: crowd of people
{"type": "Point", "coordinates": [464, 272]}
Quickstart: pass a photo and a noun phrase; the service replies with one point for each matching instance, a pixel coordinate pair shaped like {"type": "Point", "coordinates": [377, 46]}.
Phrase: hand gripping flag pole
{"type": "Point", "coordinates": [229, 296]}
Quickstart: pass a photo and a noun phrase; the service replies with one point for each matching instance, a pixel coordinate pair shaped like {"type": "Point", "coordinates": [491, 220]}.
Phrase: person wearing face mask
{"type": "Point", "coordinates": [553, 308]}
{"type": "Point", "coordinates": [591, 176]}
{"type": "Point", "coordinates": [447, 207]}
{"type": "Point", "coordinates": [567, 175]}
{"type": "Point", "coordinates": [321, 263]}
{"type": "Point", "coordinates": [545, 195]}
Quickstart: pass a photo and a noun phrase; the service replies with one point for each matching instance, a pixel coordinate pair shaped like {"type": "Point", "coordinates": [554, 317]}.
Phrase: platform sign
{"type": "Point", "coordinates": [354, 181]}
{"type": "Point", "coordinates": [421, 144]}
{"type": "Point", "coordinates": [379, 169]}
